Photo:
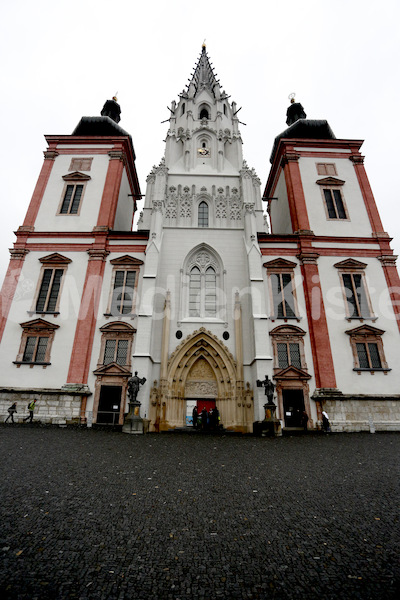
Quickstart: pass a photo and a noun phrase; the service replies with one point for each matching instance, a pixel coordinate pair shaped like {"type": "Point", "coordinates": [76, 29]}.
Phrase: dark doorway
{"type": "Point", "coordinates": [293, 407]}
{"type": "Point", "coordinates": [109, 405]}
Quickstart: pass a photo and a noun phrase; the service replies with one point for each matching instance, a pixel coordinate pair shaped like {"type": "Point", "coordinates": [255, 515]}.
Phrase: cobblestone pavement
{"type": "Point", "coordinates": [103, 515]}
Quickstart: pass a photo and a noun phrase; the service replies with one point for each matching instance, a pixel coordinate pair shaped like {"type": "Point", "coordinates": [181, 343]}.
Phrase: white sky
{"type": "Point", "coordinates": [60, 60]}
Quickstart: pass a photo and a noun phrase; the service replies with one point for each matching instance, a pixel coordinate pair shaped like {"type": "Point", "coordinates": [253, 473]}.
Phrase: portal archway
{"type": "Point", "coordinates": [203, 364]}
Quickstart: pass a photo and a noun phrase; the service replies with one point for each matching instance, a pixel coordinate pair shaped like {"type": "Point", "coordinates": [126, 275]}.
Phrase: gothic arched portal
{"type": "Point", "coordinates": [203, 367]}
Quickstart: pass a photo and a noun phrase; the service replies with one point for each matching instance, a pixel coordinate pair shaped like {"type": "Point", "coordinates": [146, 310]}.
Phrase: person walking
{"type": "Point", "coordinates": [31, 408]}
{"type": "Point", "coordinates": [11, 411]}
{"type": "Point", "coordinates": [325, 422]}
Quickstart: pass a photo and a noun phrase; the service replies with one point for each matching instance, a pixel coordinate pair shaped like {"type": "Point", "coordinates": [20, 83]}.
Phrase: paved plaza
{"type": "Point", "coordinates": [105, 515]}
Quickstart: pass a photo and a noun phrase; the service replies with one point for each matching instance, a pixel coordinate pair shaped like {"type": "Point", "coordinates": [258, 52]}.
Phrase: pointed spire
{"type": "Point", "coordinates": [203, 75]}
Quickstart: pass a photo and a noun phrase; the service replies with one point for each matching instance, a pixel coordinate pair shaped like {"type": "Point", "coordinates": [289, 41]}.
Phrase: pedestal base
{"type": "Point", "coordinates": [133, 425]}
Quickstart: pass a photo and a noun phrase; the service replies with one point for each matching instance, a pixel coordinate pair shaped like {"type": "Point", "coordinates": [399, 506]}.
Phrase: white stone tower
{"type": "Point", "coordinates": [203, 209]}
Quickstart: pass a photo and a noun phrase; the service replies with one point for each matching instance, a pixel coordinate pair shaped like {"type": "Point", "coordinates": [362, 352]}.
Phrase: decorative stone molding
{"type": "Point", "coordinates": [357, 159]}
{"type": "Point", "coordinates": [388, 261]}
{"type": "Point", "coordinates": [50, 154]}
{"type": "Point", "coordinates": [18, 253]}
{"type": "Point", "coordinates": [116, 155]}
{"type": "Point", "coordinates": [289, 157]}
{"type": "Point", "coordinates": [308, 258]}
{"type": "Point", "coordinates": [97, 254]}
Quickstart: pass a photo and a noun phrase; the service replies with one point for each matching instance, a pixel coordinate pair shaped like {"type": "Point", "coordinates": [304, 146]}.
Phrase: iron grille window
{"type": "Point", "coordinates": [282, 293]}
{"type": "Point", "coordinates": [357, 304]}
{"type": "Point", "coordinates": [49, 290]}
{"type": "Point", "coordinates": [123, 293]}
{"type": "Point", "coordinates": [71, 201]}
{"type": "Point", "coordinates": [334, 204]}
{"type": "Point", "coordinates": [35, 349]}
{"type": "Point", "coordinates": [116, 352]}
{"type": "Point", "coordinates": [203, 214]}
{"type": "Point", "coordinates": [368, 355]}
{"type": "Point", "coordinates": [288, 354]}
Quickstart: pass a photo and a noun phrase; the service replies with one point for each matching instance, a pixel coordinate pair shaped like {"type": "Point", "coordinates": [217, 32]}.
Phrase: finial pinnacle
{"type": "Point", "coordinates": [204, 44]}
{"type": "Point", "coordinates": [292, 98]}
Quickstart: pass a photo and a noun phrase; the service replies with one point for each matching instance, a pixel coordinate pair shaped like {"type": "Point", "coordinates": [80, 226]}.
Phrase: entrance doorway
{"type": "Point", "coordinates": [109, 405]}
{"type": "Point", "coordinates": [200, 403]}
{"type": "Point", "coordinates": [293, 407]}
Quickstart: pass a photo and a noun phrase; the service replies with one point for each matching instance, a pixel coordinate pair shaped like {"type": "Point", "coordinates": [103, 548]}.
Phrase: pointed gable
{"type": "Point", "coordinates": [330, 181]}
{"type": "Point", "coordinates": [113, 369]}
{"type": "Point", "coordinates": [350, 264]}
{"type": "Point", "coordinates": [278, 264]}
{"type": "Point", "coordinates": [55, 259]}
{"type": "Point", "coordinates": [292, 373]}
{"type": "Point", "coordinates": [126, 261]}
{"type": "Point", "coordinates": [76, 176]}
{"type": "Point", "coordinates": [365, 331]}
{"type": "Point", "coordinates": [38, 325]}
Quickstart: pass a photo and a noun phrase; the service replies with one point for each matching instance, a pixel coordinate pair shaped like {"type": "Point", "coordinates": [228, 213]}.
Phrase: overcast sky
{"type": "Point", "coordinates": [62, 59]}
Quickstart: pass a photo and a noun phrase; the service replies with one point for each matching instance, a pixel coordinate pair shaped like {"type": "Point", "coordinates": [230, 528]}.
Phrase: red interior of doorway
{"type": "Point", "coordinates": [209, 404]}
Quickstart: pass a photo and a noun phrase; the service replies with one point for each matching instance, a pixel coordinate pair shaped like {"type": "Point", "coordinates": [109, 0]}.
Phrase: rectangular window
{"type": "Point", "coordinates": [356, 297]}
{"type": "Point", "coordinates": [288, 354]}
{"type": "Point", "coordinates": [368, 355]}
{"type": "Point", "coordinates": [72, 199]}
{"type": "Point", "coordinates": [35, 349]}
{"type": "Point", "coordinates": [326, 169]}
{"type": "Point", "coordinates": [123, 293]}
{"type": "Point", "coordinates": [116, 352]}
{"type": "Point", "coordinates": [334, 204]}
{"type": "Point", "coordinates": [282, 294]}
{"type": "Point", "coordinates": [49, 290]}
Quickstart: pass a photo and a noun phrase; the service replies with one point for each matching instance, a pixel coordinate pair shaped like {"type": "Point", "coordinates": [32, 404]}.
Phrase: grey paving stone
{"type": "Point", "coordinates": [101, 515]}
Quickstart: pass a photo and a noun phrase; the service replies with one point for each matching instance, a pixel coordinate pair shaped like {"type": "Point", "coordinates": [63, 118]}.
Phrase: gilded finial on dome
{"type": "Point", "coordinates": [292, 98]}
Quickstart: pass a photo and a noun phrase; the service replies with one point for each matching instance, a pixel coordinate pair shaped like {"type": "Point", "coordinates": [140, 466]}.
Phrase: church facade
{"type": "Point", "coordinates": [219, 285]}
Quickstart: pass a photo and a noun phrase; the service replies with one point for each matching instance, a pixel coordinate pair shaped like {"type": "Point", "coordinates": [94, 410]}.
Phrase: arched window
{"type": "Point", "coordinates": [204, 113]}
{"type": "Point", "coordinates": [203, 214]}
{"type": "Point", "coordinates": [210, 300]}
{"type": "Point", "coordinates": [183, 108]}
{"type": "Point", "coordinates": [202, 292]}
{"type": "Point", "coordinates": [205, 297]}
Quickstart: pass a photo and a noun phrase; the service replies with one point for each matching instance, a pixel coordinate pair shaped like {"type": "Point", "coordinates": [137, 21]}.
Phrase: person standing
{"type": "Point", "coordinates": [11, 411]}
{"type": "Point", "coordinates": [304, 420]}
{"type": "Point", "coordinates": [31, 408]}
{"type": "Point", "coordinates": [194, 417]}
{"type": "Point", "coordinates": [204, 418]}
